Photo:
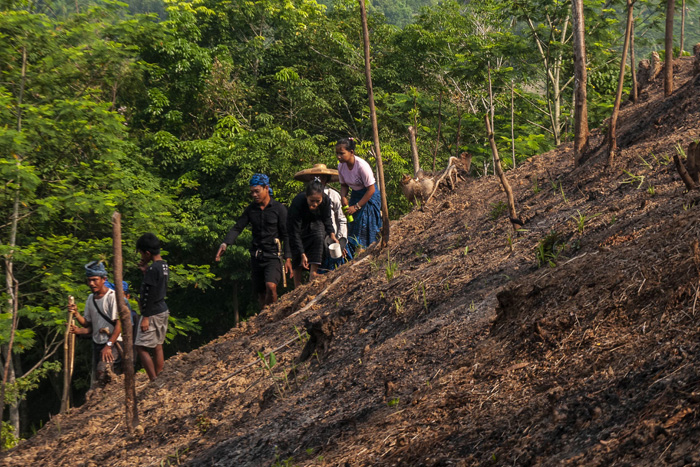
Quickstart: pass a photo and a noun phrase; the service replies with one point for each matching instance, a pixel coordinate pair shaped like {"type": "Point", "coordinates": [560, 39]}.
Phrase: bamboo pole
{"type": "Point", "coordinates": [67, 363]}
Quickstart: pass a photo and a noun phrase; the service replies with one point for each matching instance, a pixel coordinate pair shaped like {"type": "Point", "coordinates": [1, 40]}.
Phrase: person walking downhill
{"type": "Point", "coordinates": [308, 223]}
{"type": "Point", "coordinates": [268, 219]}
{"type": "Point", "coordinates": [365, 201]}
{"type": "Point", "coordinates": [340, 222]}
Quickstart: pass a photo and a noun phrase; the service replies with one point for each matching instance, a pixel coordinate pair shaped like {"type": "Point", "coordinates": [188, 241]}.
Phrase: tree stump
{"type": "Point", "coordinates": [690, 170]}
{"type": "Point", "coordinates": [649, 70]}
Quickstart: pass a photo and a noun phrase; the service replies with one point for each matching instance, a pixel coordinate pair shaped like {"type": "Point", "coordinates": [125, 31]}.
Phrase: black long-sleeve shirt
{"type": "Point", "coordinates": [267, 225]}
{"type": "Point", "coordinates": [300, 216]}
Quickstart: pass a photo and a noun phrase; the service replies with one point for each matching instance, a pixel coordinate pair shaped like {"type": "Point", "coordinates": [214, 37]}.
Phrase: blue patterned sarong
{"type": "Point", "coordinates": [367, 222]}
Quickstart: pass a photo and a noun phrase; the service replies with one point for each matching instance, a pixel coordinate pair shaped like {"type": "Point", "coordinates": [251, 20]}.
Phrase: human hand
{"type": "Point", "coordinates": [222, 248]}
{"type": "Point", "coordinates": [304, 261]}
{"type": "Point", "coordinates": [351, 210]}
{"type": "Point", "coordinates": [73, 309]}
{"type": "Point", "coordinates": [106, 354]}
{"type": "Point", "coordinates": [288, 267]}
{"type": "Point", "coordinates": [76, 330]}
{"type": "Point", "coordinates": [144, 324]}
{"type": "Point", "coordinates": [334, 238]}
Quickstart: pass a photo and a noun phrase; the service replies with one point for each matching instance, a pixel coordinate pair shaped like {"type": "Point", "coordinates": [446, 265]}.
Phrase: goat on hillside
{"type": "Point", "coordinates": [423, 186]}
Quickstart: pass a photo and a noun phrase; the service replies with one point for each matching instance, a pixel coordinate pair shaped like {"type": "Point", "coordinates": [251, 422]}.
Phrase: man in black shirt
{"type": "Point", "coordinates": [153, 326]}
{"type": "Point", "coordinates": [268, 219]}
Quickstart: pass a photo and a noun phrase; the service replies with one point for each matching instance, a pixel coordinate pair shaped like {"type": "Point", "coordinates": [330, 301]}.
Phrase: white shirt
{"type": "Point", "coordinates": [340, 223]}
{"type": "Point", "coordinates": [108, 305]}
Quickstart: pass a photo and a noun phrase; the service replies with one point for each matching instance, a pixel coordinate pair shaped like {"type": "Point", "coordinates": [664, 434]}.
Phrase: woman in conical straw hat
{"type": "Point", "coordinates": [340, 222]}
{"type": "Point", "coordinates": [308, 224]}
{"type": "Point", "coordinates": [326, 175]}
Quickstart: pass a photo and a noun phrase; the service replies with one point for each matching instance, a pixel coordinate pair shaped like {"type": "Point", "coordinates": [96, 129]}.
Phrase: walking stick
{"type": "Point", "coordinates": [279, 255]}
{"type": "Point", "coordinates": [68, 354]}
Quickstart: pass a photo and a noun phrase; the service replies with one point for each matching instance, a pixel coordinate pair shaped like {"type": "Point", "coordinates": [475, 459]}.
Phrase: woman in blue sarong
{"type": "Point", "coordinates": [365, 201]}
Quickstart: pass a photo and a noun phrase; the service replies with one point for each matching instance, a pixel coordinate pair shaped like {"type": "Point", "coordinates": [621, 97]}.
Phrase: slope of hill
{"type": "Point", "coordinates": [574, 341]}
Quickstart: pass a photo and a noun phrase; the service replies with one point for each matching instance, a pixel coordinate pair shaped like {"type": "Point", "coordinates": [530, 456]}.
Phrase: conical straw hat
{"type": "Point", "coordinates": [308, 175]}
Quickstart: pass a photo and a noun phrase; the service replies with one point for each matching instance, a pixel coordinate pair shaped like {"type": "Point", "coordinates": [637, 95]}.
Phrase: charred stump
{"type": "Point", "coordinates": [690, 170]}
{"type": "Point", "coordinates": [649, 70]}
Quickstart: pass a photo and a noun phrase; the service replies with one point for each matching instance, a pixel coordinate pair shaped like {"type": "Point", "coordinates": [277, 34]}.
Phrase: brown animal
{"type": "Point", "coordinates": [417, 190]}
{"type": "Point", "coordinates": [423, 187]}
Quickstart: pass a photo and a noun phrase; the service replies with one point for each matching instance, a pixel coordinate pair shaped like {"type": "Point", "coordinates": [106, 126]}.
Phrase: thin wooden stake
{"type": "Point", "coordinates": [375, 128]}
{"type": "Point", "coordinates": [132, 414]}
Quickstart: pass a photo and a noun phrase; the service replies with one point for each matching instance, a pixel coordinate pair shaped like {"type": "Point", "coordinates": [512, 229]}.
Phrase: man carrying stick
{"type": "Point", "coordinates": [101, 319]}
{"type": "Point", "coordinates": [268, 220]}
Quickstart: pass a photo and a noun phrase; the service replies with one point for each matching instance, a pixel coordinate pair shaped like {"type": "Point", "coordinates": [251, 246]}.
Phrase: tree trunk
{"type": "Point", "coordinates": [556, 83]}
{"type": "Point", "coordinates": [8, 376]}
{"type": "Point", "coordinates": [553, 75]}
{"type": "Point", "coordinates": [132, 413]}
{"type": "Point", "coordinates": [634, 93]}
{"type": "Point", "coordinates": [236, 313]}
{"type": "Point", "coordinates": [497, 168]}
{"type": "Point", "coordinates": [680, 52]}
{"type": "Point", "coordinates": [459, 131]}
{"type": "Point", "coordinates": [375, 129]}
{"type": "Point", "coordinates": [414, 150]}
{"type": "Point", "coordinates": [668, 66]}
{"type": "Point", "coordinates": [491, 113]}
{"type": "Point", "coordinates": [504, 181]}
{"type": "Point", "coordinates": [612, 137]}
{"type": "Point", "coordinates": [581, 132]}
{"type": "Point", "coordinates": [11, 283]}
{"type": "Point", "coordinates": [512, 120]}
{"type": "Point", "coordinates": [437, 140]}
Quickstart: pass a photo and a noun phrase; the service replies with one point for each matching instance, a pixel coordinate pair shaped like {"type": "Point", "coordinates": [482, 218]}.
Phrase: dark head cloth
{"type": "Point", "coordinates": [261, 180]}
{"type": "Point", "coordinates": [95, 268]}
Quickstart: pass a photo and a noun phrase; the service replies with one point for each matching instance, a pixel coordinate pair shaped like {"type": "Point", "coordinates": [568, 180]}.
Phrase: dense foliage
{"type": "Point", "coordinates": [165, 116]}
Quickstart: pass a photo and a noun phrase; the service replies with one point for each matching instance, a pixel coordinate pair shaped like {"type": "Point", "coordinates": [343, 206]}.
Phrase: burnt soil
{"type": "Point", "coordinates": [456, 346]}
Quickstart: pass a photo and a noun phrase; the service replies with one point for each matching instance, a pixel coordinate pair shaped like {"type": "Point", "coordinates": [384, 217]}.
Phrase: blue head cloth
{"type": "Point", "coordinates": [261, 180]}
{"type": "Point", "coordinates": [95, 268]}
{"type": "Point", "coordinates": [125, 286]}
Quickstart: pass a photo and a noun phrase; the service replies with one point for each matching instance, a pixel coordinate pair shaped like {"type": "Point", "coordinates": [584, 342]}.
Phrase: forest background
{"type": "Point", "coordinates": [163, 111]}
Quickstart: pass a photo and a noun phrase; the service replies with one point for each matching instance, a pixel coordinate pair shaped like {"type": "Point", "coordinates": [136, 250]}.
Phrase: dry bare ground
{"type": "Point", "coordinates": [455, 347]}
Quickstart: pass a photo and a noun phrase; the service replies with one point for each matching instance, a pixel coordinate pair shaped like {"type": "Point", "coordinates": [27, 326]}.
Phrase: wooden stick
{"type": "Point", "coordinates": [448, 170]}
{"type": "Point", "coordinates": [504, 181]}
{"type": "Point", "coordinates": [65, 399]}
{"type": "Point", "coordinates": [131, 408]}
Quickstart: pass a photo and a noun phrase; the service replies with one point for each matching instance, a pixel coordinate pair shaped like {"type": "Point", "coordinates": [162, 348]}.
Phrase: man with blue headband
{"type": "Point", "coordinates": [268, 220]}
{"type": "Point", "coordinates": [100, 320]}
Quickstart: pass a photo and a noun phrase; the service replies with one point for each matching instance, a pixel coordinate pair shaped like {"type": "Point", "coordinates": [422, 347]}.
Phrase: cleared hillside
{"type": "Point", "coordinates": [468, 350]}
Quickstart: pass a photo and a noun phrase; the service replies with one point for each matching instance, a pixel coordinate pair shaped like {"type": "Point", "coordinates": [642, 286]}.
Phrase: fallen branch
{"type": "Point", "coordinates": [447, 172]}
